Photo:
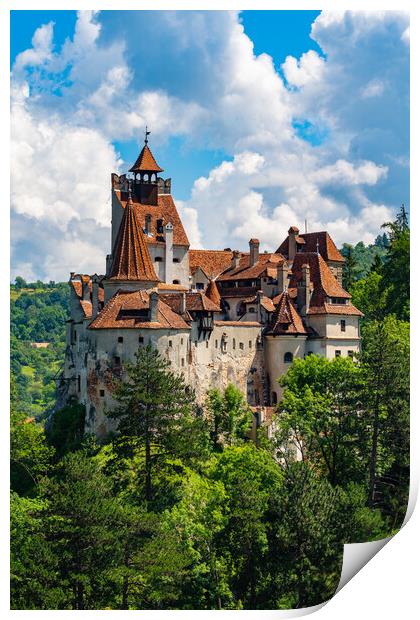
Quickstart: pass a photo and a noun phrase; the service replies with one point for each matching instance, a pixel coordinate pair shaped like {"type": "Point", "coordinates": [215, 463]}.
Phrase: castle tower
{"type": "Point", "coordinates": [145, 180]}
{"type": "Point", "coordinates": [131, 265]}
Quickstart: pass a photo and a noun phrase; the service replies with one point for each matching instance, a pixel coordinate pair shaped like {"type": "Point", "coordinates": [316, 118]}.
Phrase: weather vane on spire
{"type": "Point", "coordinates": [147, 133]}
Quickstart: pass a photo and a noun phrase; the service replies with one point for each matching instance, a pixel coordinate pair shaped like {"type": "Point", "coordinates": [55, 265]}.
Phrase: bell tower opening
{"type": "Point", "coordinates": [145, 179]}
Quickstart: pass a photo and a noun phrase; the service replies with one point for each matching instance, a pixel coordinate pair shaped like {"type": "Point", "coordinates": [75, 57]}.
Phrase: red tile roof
{"type": "Point", "coordinates": [194, 302]}
{"type": "Point", "coordinates": [327, 247]}
{"type": "Point", "coordinates": [286, 319]}
{"type": "Point", "coordinates": [145, 162]}
{"type": "Point", "coordinates": [211, 262]}
{"type": "Point", "coordinates": [212, 292]}
{"type": "Point", "coordinates": [324, 282]}
{"type": "Point", "coordinates": [131, 258]}
{"type": "Point", "coordinates": [238, 323]}
{"type": "Point", "coordinates": [165, 210]}
{"type": "Point", "coordinates": [266, 265]}
{"type": "Point", "coordinates": [111, 316]}
{"type": "Point", "coordinates": [348, 309]}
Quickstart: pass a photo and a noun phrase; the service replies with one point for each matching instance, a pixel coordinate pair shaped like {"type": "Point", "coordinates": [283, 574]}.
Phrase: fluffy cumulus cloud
{"type": "Point", "coordinates": [195, 76]}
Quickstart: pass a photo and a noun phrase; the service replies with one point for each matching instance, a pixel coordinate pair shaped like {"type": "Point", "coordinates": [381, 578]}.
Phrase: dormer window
{"type": "Point", "coordinates": [147, 224]}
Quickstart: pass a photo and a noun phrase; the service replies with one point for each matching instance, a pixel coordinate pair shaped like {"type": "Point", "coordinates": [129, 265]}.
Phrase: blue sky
{"type": "Point", "coordinates": [262, 118]}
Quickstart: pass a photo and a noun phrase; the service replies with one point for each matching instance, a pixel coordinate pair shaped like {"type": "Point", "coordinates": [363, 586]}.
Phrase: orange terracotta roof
{"type": "Point", "coordinates": [165, 210]}
{"type": "Point", "coordinates": [163, 286]}
{"type": "Point", "coordinates": [343, 309]}
{"type": "Point", "coordinates": [116, 313]}
{"type": "Point", "coordinates": [238, 323]}
{"type": "Point", "coordinates": [286, 320]}
{"type": "Point", "coordinates": [327, 247]}
{"type": "Point", "coordinates": [194, 302]}
{"type": "Point", "coordinates": [267, 303]}
{"type": "Point", "coordinates": [86, 307]}
{"type": "Point", "coordinates": [324, 282]}
{"type": "Point", "coordinates": [131, 258]}
{"type": "Point", "coordinates": [266, 265]}
{"type": "Point", "coordinates": [145, 162]}
{"type": "Point", "coordinates": [211, 262]}
{"type": "Point", "coordinates": [77, 287]}
{"type": "Point", "coordinates": [212, 292]}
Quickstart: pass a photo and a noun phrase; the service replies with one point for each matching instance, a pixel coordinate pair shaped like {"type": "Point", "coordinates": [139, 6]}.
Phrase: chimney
{"type": "Point", "coordinates": [236, 257]}
{"type": "Point", "coordinates": [282, 276]}
{"type": "Point", "coordinates": [86, 288]}
{"type": "Point", "coordinates": [183, 303]}
{"type": "Point", "coordinates": [293, 233]}
{"type": "Point", "coordinates": [304, 290]}
{"type": "Point", "coordinates": [169, 252]}
{"type": "Point", "coordinates": [95, 300]}
{"type": "Point", "coordinates": [254, 251]}
{"type": "Point", "coordinates": [154, 298]}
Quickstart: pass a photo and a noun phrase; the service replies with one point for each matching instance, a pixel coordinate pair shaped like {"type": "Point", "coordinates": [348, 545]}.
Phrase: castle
{"type": "Point", "coordinates": [219, 316]}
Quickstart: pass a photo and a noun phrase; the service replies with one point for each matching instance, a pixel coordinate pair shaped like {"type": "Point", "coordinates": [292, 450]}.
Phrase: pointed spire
{"type": "Point", "coordinates": [286, 319]}
{"type": "Point", "coordinates": [131, 257]}
{"type": "Point", "coordinates": [212, 292]}
{"type": "Point", "coordinates": [145, 162]}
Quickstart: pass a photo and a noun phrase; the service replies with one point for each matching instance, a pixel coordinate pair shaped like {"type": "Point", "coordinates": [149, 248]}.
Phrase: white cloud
{"type": "Point", "coordinates": [41, 50]}
{"type": "Point", "coordinates": [195, 75]}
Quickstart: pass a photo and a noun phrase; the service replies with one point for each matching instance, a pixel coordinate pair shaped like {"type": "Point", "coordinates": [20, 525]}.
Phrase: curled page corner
{"type": "Point", "coordinates": [356, 555]}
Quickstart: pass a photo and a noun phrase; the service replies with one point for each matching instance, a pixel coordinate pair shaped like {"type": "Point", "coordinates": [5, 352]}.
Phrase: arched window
{"type": "Point", "coordinates": [146, 177]}
{"type": "Point", "coordinates": [288, 357]}
{"type": "Point", "coordinates": [176, 282]}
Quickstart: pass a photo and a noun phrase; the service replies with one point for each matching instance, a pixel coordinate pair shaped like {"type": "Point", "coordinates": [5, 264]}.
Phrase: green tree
{"type": "Point", "coordinates": [229, 416]}
{"type": "Point", "coordinates": [397, 266]}
{"type": "Point", "coordinates": [154, 412]}
{"type": "Point", "coordinates": [65, 429]}
{"type": "Point", "coordinates": [350, 268]}
{"type": "Point", "coordinates": [386, 367]}
{"type": "Point", "coordinates": [34, 574]}
{"type": "Point", "coordinates": [320, 416]}
{"type": "Point", "coordinates": [250, 476]}
{"type": "Point", "coordinates": [84, 524]}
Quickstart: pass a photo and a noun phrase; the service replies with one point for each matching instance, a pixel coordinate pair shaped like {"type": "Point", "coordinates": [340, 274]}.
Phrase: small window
{"type": "Point", "coordinates": [234, 344]}
{"type": "Point", "coordinates": [338, 353]}
{"type": "Point", "coordinates": [252, 309]}
{"type": "Point", "coordinates": [176, 282]}
{"type": "Point", "coordinates": [141, 339]}
{"type": "Point", "coordinates": [159, 226]}
{"type": "Point", "coordinates": [350, 353]}
{"type": "Point", "coordinates": [215, 344]}
{"type": "Point", "coordinates": [199, 286]}
{"type": "Point", "coordinates": [241, 346]}
{"type": "Point", "coordinates": [182, 341]}
{"type": "Point", "coordinates": [101, 393]}
{"type": "Point", "coordinates": [250, 344]}
{"type": "Point", "coordinates": [158, 259]}
{"type": "Point", "coordinates": [182, 361]}
{"type": "Point", "coordinates": [288, 358]}
{"type": "Point", "coordinates": [117, 360]}
{"type": "Point", "coordinates": [195, 343]}
{"type": "Point", "coordinates": [78, 383]}
{"type": "Point", "coordinates": [175, 260]}
{"type": "Point", "coordinates": [120, 339]}
{"type": "Point", "coordinates": [207, 344]}
{"type": "Point", "coordinates": [274, 398]}
{"type": "Point", "coordinates": [170, 344]}
{"type": "Point", "coordinates": [343, 325]}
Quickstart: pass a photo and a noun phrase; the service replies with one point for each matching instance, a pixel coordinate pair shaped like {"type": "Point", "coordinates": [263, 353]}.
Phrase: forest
{"type": "Point", "coordinates": [180, 509]}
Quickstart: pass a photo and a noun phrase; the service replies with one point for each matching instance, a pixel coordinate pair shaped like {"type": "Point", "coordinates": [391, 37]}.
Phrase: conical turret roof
{"type": "Point", "coordinates": [212, 292]}
{"type": "Point", "coordinates": [145, 162]}
{"type": "Point", "coordinates": [286, 319]}
{"type": "Point", "coordinates": [131, 258]}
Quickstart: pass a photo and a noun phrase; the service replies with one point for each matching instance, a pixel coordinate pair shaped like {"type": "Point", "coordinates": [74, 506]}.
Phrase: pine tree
{"type": "Point", "coordinates": [155, 408]}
